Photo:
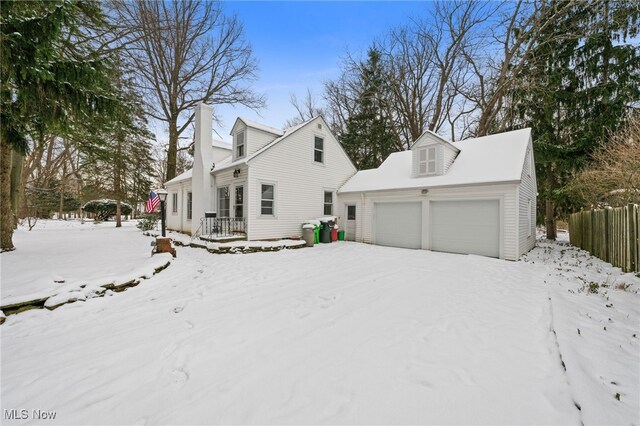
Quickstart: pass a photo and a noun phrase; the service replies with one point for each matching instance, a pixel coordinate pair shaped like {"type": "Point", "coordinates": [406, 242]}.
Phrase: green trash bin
{"type": "Point", "coordinates": [340, 235]}
{"type": "Point", "coordinates": [316, 235]}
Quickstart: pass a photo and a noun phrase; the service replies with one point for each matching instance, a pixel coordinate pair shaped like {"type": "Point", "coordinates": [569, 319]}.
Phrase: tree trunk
{"type": "Point", "coordinates": [117, 184]}
{"type": "Point", "coordinates": [63, 182]}
{"type": "Point", "coordinates": [172, 151]}
{"type": "Point", "coordinates": [17, 161]}
{"type": "Point", "coordinates": [6, 216]}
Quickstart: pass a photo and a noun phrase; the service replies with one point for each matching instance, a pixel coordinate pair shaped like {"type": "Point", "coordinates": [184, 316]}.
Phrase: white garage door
{"type": "Point", "coordinates": [398, 224]}
{"type": "Point", "coordinates": [468, 227]}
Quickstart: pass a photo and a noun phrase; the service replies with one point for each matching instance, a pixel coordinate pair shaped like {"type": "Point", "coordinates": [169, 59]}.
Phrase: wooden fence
{"type": "Point", "coordinates": [610, 234]}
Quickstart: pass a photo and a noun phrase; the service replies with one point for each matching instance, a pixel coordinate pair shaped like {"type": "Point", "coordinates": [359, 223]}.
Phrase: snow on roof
{"type": "Point", "coordinates": [489, 159]}
{"type": "Point", "coordinates": [181, 177]}
{"type": "Point", "coordinates": [259, 126]}
{"type": "Point", "coordinates": [220, 144]}
{"type": "Point", "coordinates": [227, 163]}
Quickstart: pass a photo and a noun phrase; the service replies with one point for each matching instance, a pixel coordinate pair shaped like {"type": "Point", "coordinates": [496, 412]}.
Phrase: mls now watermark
{"type": "Point", "coordinates": [24, 414]}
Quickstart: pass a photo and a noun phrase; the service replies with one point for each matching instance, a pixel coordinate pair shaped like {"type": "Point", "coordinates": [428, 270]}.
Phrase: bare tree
{"type": "Point", "coordinates": [613, 176]}
{"type": "Point", "coordinates": [184, 53]}
{"type": "Point", "coordinates": [306, 108]}
{"type": "Point", "coordinates": [500, 54]}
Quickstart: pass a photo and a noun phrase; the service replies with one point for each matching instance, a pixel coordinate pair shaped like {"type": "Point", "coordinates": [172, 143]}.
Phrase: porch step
{"type": "Point", "coordinates": [224, 239]}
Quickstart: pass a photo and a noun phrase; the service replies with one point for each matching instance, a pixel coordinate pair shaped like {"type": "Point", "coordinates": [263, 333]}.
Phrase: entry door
{"type": "Point", "coordinates": [351, 223]}
{"type": "Point", "coordinates": [239, 202]}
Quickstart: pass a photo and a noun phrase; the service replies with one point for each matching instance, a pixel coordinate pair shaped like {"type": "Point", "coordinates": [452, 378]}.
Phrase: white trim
{"type": "Point", "coordinates": [219, 209]}
{"type": "Point", "coordinates": [174, 203]}
{"type": "Point", "coordinates": [334, 196]}
{"type": "Point", "coordinates": [242, 132]}
{"type": "Point", "coordinates": [483, 197]}
{"type": "Point", "coordinates": [323, 150]}
{"type": "Point", "coordinates": [189, 207]}
{"type": "Point", "coordinates": [275, 199]}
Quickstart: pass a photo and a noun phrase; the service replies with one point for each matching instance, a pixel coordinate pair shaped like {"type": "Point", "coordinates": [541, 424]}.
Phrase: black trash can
{"type": "Point", "coordinates": [325, 232]}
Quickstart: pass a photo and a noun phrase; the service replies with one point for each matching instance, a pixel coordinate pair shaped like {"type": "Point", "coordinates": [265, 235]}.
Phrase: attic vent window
{"type": "Point", "coordinates": [319, 126]}
{"type": "Point", "coordinates": [427, 161]}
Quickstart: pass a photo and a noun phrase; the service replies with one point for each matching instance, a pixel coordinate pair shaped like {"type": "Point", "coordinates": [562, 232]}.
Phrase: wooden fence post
{"type": "Point", "coordinates": [632, 238]}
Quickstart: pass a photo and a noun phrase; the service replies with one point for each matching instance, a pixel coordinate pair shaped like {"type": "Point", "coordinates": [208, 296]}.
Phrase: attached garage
{"type": "Point", "coordinates": [465, 226]}
{"type": "Point", "coordinates": [398, 224]}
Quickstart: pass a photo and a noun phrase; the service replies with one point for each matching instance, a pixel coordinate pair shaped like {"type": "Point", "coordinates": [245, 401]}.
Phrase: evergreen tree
{"type": "Point", "coordinates": [51, 78]}
{"type": "Point", "coordinates": [369, 138]}
{"type": "Point", "coordinates": [580, 81]}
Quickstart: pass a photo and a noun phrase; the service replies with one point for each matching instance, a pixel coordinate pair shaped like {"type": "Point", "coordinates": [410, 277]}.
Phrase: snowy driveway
{"type": "Point", "coordinates": [343, 333]}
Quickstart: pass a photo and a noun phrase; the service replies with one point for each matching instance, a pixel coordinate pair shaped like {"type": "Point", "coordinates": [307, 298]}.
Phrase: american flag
{"type": "Point", "coordinates": [152, 202]}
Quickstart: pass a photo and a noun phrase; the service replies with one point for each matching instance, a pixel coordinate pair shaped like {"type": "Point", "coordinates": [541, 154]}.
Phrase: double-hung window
{"type": "Point", "coordinates": [318, 150]}
{"type": "Point", "coordinates": [174, 202]}
{"type": "Point", "coordinates": [223, 201]}
{"type": "Point", "coordinates": [240, 144]}
{"type": "Point", "coordinates": [189, 205]}
{"type": "Point", "coordinates": [267, 199]}
{"type": "Point", "coordinates": [328, 203]}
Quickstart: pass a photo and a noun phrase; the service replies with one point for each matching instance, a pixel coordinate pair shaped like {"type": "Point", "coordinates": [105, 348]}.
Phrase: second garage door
{"type": "Point", "coordinates": [467, 227]}
{"type": "Point", "coordinates": [398, 224]}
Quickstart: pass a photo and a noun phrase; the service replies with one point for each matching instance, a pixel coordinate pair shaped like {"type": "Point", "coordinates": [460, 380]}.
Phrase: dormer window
{"type": "Point", "coordinates": [240, 144]}
{"type": "Point", "coordinates": [431, 160]}
{"type": "Point", "coordinates": [427, 161]}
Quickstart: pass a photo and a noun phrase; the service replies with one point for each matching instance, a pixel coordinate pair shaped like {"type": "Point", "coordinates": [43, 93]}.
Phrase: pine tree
{"type": "Point", "coordinates": [50, 79]}
{"type": "Point", "coordinates": [369, 137]}
{"type": "Point", "coordinates": [577, 87]}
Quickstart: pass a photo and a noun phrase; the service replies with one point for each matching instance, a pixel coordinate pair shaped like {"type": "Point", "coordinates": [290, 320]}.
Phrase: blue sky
{"type": "Point", "coordinates": [299, 45]}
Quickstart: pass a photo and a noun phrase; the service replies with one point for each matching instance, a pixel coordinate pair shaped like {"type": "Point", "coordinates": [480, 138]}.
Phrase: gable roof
{"type": "Point", "coordinates": [256, 125]}
{"type": "Point", "coordinates": [428, 134]}
{"type": "Point", "coordinates": [220, 144]}
{"type": "Point", "coordinates": [496, 158]}
{"type": "Point", "coordinates": [228, 163]}
{"type": "Point", "coordinates": [181, 177]}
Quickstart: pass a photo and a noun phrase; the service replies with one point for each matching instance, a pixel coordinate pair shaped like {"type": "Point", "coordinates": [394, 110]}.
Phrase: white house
{"type": "Point", "coordinates": [267, 184]}
{"type": "Point", "coordinates": [476, 196]}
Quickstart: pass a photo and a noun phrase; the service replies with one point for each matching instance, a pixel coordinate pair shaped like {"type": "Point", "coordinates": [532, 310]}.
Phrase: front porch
{"type": "Point", "coordinates": [223, 229]}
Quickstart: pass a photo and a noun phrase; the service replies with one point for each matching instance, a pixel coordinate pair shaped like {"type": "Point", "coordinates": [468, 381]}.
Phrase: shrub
{"type": "Point", "coordinates": [104, 209]}
{"type": "Point", "coordinates": [148, 222]}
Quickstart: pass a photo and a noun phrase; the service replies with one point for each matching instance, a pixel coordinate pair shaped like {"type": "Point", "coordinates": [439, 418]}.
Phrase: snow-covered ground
{"type": "Point", "coordinates": [61, 257]}
{"type": "Point", "coordinates": [341, 333]}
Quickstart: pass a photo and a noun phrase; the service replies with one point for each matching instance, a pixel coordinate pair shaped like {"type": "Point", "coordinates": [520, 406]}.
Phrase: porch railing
{"type": "Point", "coordinates": [219, 227]}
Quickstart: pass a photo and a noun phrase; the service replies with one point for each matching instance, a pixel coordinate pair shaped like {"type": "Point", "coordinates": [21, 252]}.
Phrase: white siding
{"type": "Point", "coordinates": [256, 139]}
{"type": "Point", "coordinates": [449, 155]}
{"type": "Point", "coordinates": [220, 154]}
{"type": "Point", "coordinates": [225, 178]}
{"type": "Point", "coordinates": [445, 154]}
{"type": "Point", "coordinates": [506, 193]}
{"type": "Point", "coordinates": [178, 221]}
{"type": "Point", "coordinates": [527, 192]}
{"type": "Point", "coordinates": [300, 182]}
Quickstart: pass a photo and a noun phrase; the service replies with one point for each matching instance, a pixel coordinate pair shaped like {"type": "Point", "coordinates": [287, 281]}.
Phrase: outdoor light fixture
{"type": "Point", "coordinates": [162, 194]}
{"type": "Point", "coordinates": [424, 191]}
{"type": "Point", "coordinates": [236, 173]}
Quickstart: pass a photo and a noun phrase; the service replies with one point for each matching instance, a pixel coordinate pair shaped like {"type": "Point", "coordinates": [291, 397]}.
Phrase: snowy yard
{"type": "Point", "coordinates": [343, 333]}
{"type": "Point", "coordinates": [61, 256]}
